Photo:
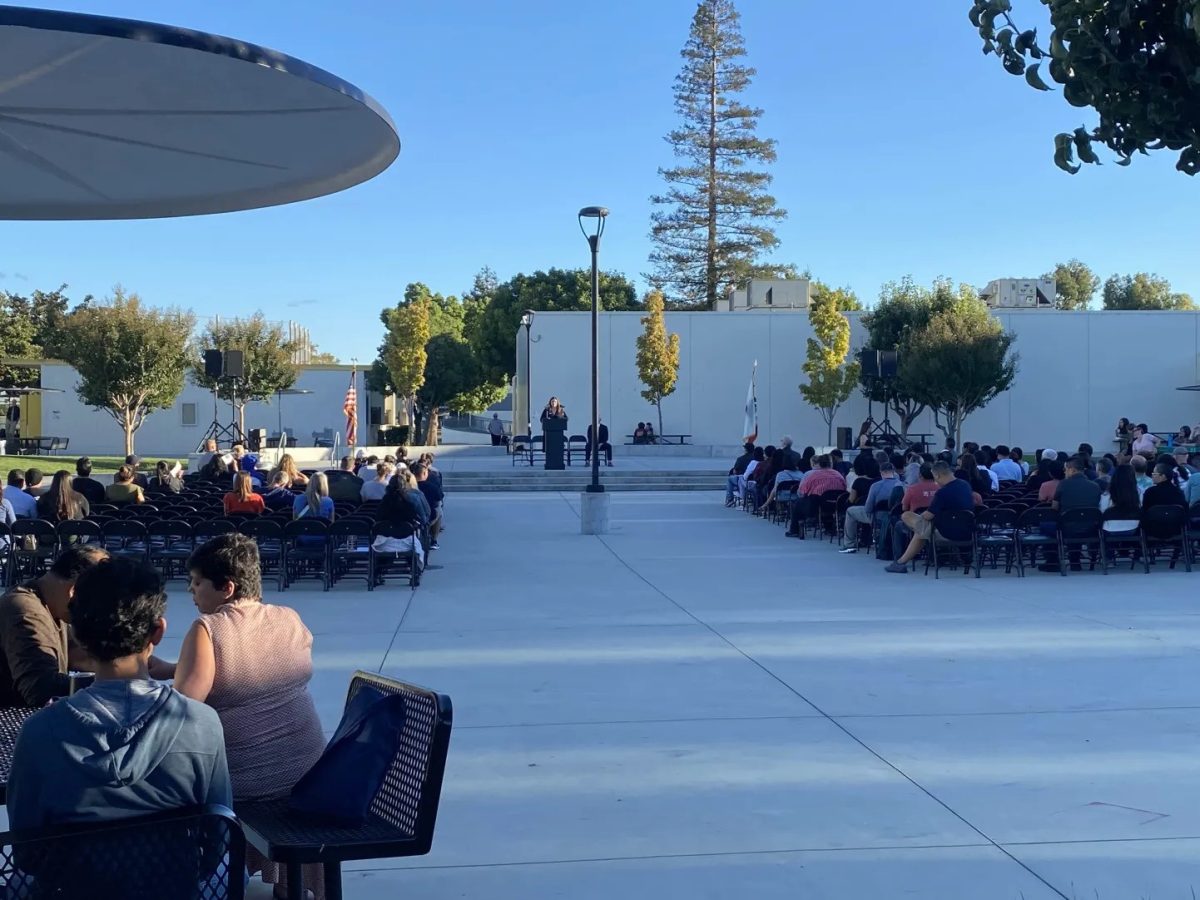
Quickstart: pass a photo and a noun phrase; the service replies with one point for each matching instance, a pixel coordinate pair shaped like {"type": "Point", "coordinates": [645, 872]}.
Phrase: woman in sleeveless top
{"type": "Point", "coordinates": [251, 662]}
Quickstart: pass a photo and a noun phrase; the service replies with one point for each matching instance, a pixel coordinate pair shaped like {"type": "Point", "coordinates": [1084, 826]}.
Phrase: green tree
{"type": "Point", "coordinates": [657, 354]}
{"type": "Point", "coordinates": [131, 359]}
{"type": "Point", "coordinates": [903, 308]}
{"type": "Point", "coordinates": [1134, 62]}
{"type": "Point", "coordinates": [1076, 285]}
{"type": "Point", "coordinates": [406, 332]}
{"type": "Point", "coordinates": [493, 330]}
{"type": "Point", "coordinates": [29, 327]}
{"type": "Point", "coordinates": [452, 378]}
{"type": "Point", "coordinates": [831, 379]}
{"type": "Point", "coordinates": [958, 362]}
{"type": "Point", "coordinates": [268, 360]}
{"type": "Point", "coordinates": [1143, 291]}
{"type": "Point", "coordinates": [717, 219]}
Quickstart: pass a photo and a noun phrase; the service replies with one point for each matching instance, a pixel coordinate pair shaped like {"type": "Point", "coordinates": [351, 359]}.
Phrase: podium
{"type": "Point", "coordinates": [554, 439]}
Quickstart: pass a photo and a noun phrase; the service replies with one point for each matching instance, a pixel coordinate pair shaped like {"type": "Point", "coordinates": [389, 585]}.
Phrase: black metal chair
{"type": "Point", "coordinates": [1031, 537]}
{"type": "Point", "coordinates": [385, 563]}
{"type": "Point", "coordinates": [34, 546]}
{"type": "Point", "coordinates": [194, 853]}
{"type": "Point", "coordinates": [785, 493]}
{"type": "Point", "coordinates": [127, 538]}
{"type": "Point", "coordinates": [403, 813]}
{"type": "Point", "coordinates": [945, 525]}
{"type": "Point", "coordinates": [269, 537]}
{"type": "Point", "coordinates": [576, 445]}
{"type": "Point", "coordinates": [522, 445]}
{"type": "Point", "coordinates": [73, 532]}
{"type": "Point", "coordinates": [1080, 528]}
{"type": "Point", "coordinates": [995, 533]}
{"type": "Point", "coordinates": [350, 549]}
{"type": "Point", "coordinates": [171, 543]}
{"type": "Point", "coordinates": [1129, 540]}
{"type": "Point", "coordinates": [1166, 527]}
{"type": "Point", "coordinates": [306, 551]}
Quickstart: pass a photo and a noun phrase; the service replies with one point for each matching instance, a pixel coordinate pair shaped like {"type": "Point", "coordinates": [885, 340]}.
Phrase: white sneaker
{"type": "Point", "coordinates": [848, 550]}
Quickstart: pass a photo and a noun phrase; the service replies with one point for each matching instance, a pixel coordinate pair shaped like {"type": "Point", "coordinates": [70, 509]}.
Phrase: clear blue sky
{"type": "Point", "coordinates": [902, 150]}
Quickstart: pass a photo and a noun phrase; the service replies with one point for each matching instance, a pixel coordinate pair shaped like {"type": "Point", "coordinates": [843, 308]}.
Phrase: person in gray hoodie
{"type": "Point", "coordinates": [127, 745]}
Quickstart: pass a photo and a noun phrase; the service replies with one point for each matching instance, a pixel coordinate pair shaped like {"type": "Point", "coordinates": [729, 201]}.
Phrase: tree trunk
{"type": "Point", "coordinates": [431, 432]}
{"type": "Point", "coordinates": [659, 405]}
{"type": "Point", "coordinates": [127, 425]}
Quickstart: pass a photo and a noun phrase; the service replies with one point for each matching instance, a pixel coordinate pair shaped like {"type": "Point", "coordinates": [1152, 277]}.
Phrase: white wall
{"type": "Point", "coordinates": [1079, 372]}
{"type": "Point", "coordinates": [163, 433]}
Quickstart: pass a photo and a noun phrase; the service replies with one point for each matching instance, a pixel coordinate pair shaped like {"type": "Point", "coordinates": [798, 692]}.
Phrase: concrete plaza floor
{"type": "Point", "coordinates": [695, 707]}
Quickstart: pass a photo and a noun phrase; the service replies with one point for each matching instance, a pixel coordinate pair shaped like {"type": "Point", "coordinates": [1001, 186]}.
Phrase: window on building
{"type": "Point", "coordinates": [375, 417]}
{"type": "Point", "coordinates": [770, 296]}
{"type": "Point", "coordinates": [188, 411]}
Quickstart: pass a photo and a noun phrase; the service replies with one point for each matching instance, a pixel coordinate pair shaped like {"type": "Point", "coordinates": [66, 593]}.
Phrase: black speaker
{"type": "Point", "coordinates": [214, 363]}
{"type": "Point", "coordinates": [844, 439]}
{"type": "Point", "coordinates": [869, 361]}
{"type": "Point", "coordinates": [889, 364]}
{"type": "Point", "coordinates": [258, 439]}
{"type": "Point", "coordinates": [235, 364]}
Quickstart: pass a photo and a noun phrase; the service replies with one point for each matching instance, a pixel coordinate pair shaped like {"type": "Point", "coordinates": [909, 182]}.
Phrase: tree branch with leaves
{"type": "Point", "coordinates": [268, 360]}
{"type": "Point", "coordinates": [831, 380]}
{"type": "Point", "coordinates": [657, 354]}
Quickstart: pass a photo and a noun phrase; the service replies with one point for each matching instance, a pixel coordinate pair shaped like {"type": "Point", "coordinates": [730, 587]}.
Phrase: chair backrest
{"type": "Point", "coordinates": [170, 528]}
{"type": "Point", "coordinates": [78, 528]}
{"type": "Point", "coordinates": [409, 796]}
{"type": "Point", "coordinates": [1080, 524]}
{"type": "Point", "coordinates": [990, 520]}
{"type": "Point", "coordinates": [261, 529]}
{"type": "Point", "coordinates": [124, 528]}
{"type": "Point", "coordinates": [1163, 523]}
{"type": "Point", "coordinates": [37, 527]}
{"type": "Point", "coordinates": [195, 852]}
{"type": "Point", "coordinates": [955, 525]}
{"type": "Point", "coordinates": [306, 527]}
{"type": "Point", "coordinates": [210, 529]}
{"type": "Point", "coordinates": [395, 529]}
{"type": "Point", "coordinates": [1032, 519]}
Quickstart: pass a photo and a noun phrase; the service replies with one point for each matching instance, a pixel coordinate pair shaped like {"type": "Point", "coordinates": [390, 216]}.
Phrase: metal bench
{"type": "Point", "coordinates": [403, 812]}
{"type": "Point", "coordinates": [678, 440]}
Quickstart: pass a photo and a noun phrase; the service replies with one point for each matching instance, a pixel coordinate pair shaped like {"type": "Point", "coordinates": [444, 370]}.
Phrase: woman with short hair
{"type": "Point", "coordinates": [123, 490]}
{"type": "Point", "coordinates": [62, 503]}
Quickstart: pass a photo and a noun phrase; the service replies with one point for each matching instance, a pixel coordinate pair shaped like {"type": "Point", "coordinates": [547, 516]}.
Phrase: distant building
{"type": "Point", "coordinates": [767, 293]}
{"type": "Point", "coordinates": [1020, 293]}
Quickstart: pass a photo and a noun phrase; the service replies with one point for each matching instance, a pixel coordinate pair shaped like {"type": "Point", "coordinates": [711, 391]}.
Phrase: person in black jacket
{"type": "Point", "coordinates": [605, 446]}
{"type": "Point", "coordinates": [433, 497]}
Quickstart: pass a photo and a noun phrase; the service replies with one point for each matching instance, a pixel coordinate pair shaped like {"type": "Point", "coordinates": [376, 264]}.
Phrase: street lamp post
{"type": "Point", "coordinates": [527, 321]}
{"type": "Point", "coordinates": [594, 510]}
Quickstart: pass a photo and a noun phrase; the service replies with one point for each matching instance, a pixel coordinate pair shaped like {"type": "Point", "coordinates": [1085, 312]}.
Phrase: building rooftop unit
{"type": "Point", "coordinates": [767, 293]}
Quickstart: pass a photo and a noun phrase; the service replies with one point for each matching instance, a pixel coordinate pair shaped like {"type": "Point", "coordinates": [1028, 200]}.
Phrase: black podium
{"type": "Point", "coordinates": [554, 439]}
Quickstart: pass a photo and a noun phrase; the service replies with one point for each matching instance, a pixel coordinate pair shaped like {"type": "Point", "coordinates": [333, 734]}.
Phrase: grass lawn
{"type": "Point", "coordinates": [101, 465]}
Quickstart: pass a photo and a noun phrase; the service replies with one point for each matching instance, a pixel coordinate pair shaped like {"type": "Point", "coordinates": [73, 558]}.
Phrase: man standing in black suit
{"type": "Point", "coordinates": [605, 446]}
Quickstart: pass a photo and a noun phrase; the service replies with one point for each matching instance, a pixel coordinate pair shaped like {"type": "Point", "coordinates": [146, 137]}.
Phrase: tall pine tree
{"type": "Point", "coordinates": [717, 218]}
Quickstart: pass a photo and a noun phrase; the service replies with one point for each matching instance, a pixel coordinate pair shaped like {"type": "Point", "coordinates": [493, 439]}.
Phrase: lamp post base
{"type": "Point", "coordinates": [593, 512]}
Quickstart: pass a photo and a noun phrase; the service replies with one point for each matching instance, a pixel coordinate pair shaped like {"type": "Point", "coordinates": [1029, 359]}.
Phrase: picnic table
{"type": "Point", "coordinates": [675, 439]}
{"type": "Point", "coordinates": [11, 720]}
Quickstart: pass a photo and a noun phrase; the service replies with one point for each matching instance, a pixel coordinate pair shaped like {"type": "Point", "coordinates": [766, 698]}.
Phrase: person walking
{"type": "Point", "coordinates": [496, 430]}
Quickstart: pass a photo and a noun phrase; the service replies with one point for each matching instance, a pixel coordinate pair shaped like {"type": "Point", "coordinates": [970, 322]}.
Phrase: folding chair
{"type": "Point", "coordinates": [171, 544]}
{"type": "Point", "coordinates": [1080, 528]}
{"type": "Point", "coordinates": [127, 538]}
{"type": "Point", "coordinates": [1166, 527]}
{"type": "Point", "coordinates": [996, 531]}
{"type": "Point", "coordinates": [945, 525]}
{"type": "Point", "coordinates": [36, 558]}
{"type": "Point", "coordinates": [74, 532]}
{"type": "Point", "coordinates": [385, 563]}
{"type": "Point", "coordinates": [306, 550]}
{"type": "Point", "coordinates": [350, 549]}
{"type": "Point", "coordinates": [1031, 537]}
{"type": "Point", "coordinates": [269, 537]}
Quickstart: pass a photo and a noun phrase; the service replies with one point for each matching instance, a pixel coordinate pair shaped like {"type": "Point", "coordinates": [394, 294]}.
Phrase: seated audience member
{"type": "Point", "coordinates": [785, 466]}
{"type": "Point", "coordinates": [251, 662]}
{"type": "Point", "coordinates": [402, 455]}
{"type": "Point", "coordinates": [919, 494]}
{"type": "Point", "coordinates": [639, 433]}
{"type": "Point", "coordinates": [426, 459]}
{"type": "Point", "coordinates": [737, 469]}
{"type": "Point", "coordinates": [1104, 470]}
{"type": "Point", "coordinates": [343, 483]}
{"type": "Point", "coordinates": [1144, 443]}
{"type": "Point", "coordinates": [287, 466]}
{"type": "Point", "coordinates": [864, 473]}
{"type": "Point", "coordinates": [1005, 468]}
{"type": "Point", "coordinates": [912, 467]}
{"type": "Point", "coordinates": [85, 484]}
{"type": "Point", "coordinates": [162, 482]}
{"type": "Point", "coordinates": [864, 435]}
{"type": "Point", "coordinates": [1017, 455]}
{"type": "Point", "coordinates": [8, 516]}
{"type": "Point", "coordinates": [216, 471]}
{"type": "Point", "coordinates": [1144, 481]}
{"type": "Point", "coordinates": [748, 480]}
{"type": "Point", "coordinates": [210, 450]}
{"type": "Point", "coordinates": [1076, 490]}
{"type": "Point", "coordinates": [123, 490]}
{"type": "Point", "coordinates": [1054, 475]}
{"type": "Point", "coordinates": [1122, 503]}
{"type": "Point", "coordinates": [1191, 487]}
{"type": "Point", "coordinates": [35, 483]}
{"type": "Point", "coordinates": [404, 503]}
{"type": "Point", "coordinates": [377, 486]}
{"type": "Point", "coordinates": [277, 496]}
{"type": "Point", "coordinates": [1041, 473]}
{"type": "Point", "coordinates": [1183, 435]}
{"type": "Point", "coordinates": [880, 489]}
{"type": "Point", "coordinates": [242, 498]}
{"type": "Point", "coordinates": [1164, 491]}
{"type": "Point", "coordinates": [651, 437]}
{"type": "Point", "coordinates": [138, 478]}
{"type": "Point", "coordinates": [62, 503]}
{"type": "Point", "coordinates": [953, 494]}
{"type": "Point", "coordinates": [127, 745]}
{"type": "Point", "coordinates": [34, 647]}
{"type": "Point", "coordinates": [364, 466]}
{"type": "Point", "coordinates": [974, 474]}
{"type": "Point", "coordinates": [245, 462]}
{"type": "Point", "coordinates": [315, 502]}
{"type": "Point", "coordinates": [806, 459]}
{"type": "Point", "coordinates": [838, 463]}
{"type": "Point", "coordinates": [24, 505]}
{"type": "Point", "coordinates": [433, 498]}
{"type": "Point", "coordinates": [1187, 463]}
{"type": "Point", "coordinates": [764, 476]}
{"type": "Point", "coordinates": [821, 479]}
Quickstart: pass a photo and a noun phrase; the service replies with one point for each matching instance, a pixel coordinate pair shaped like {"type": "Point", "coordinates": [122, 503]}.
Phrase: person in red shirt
{"type": "Point", "coordinates": [242, 498]}
{"type": "Point", "coordinates": [822, 478]}
{"type": "Point", "coordinates": [919, 494]}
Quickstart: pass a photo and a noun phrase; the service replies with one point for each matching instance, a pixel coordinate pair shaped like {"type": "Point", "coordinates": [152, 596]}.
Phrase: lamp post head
{"type": "Point", "coordinates": [593, 212]}
{"type": "Point", "coordinates": [527, 318]}
{"type": "Point", "coordinates": [599, 213]}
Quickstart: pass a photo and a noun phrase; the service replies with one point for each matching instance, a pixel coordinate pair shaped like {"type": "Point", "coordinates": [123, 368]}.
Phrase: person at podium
{"type": "Point", "coordinates": [553, 410]}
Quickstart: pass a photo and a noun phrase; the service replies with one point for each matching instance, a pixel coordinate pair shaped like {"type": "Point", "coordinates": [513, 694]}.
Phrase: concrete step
{"type": "Point", "coordinates": [578, 487]}
{"type": "Point", "coordinates": [577, 480]}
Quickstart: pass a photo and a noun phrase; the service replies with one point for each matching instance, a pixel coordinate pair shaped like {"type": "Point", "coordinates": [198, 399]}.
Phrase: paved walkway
{"type": "Point", "coordinates": [695, 707]}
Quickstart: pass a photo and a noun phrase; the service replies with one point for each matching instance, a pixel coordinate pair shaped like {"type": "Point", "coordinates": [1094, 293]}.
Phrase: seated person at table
{"type": "Point", "coordinates": [35, 652]}
{"type": "Point", "coordinates": [343, 483]}
{"type": "Point", "coordinates": [127, 745]}
{"type": "Point", "coordinates": [952, 494]}
{"type": "Point", "coordinates": [84, 483]}
{"type": "Point", "coordinates": [24, 505]}
{"type": "Point", "coordinates": [123, 490]}
{"type": "Point", "coordinates": [242, 498]}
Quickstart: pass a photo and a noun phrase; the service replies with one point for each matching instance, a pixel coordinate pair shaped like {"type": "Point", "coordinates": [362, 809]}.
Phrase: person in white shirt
{"type": "Point", "coordinates": [377, 487]}
{"type": "Point", "coordinates": [1004, 468]}
{"type": "Point", "coordinates": [24, 505]}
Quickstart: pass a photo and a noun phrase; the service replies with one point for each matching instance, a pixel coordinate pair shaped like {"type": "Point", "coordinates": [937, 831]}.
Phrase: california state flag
{"type": "Point", "coordinates": [750, 425]}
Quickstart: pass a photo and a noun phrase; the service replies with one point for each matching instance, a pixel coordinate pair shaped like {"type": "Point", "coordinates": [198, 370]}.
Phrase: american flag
{"type": "Point", "coordinates": [350, 408]}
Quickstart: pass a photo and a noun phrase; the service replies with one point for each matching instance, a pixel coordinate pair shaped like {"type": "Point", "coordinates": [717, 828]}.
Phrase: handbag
{"type": "Point", "coordinates": [342, 784]}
